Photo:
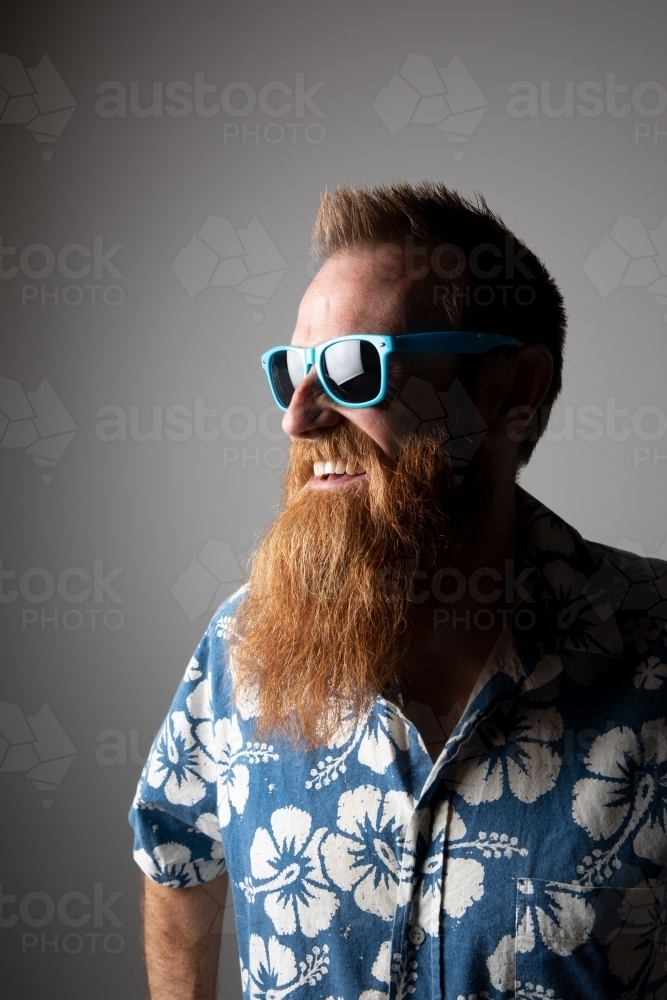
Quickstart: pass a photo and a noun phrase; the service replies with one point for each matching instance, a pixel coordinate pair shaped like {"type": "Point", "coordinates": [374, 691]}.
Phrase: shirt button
{"type": "Point", "coordinates": [416, 936]}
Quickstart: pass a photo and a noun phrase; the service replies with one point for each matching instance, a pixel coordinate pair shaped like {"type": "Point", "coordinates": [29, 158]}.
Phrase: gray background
{"type": "Point", "coordinates": [150, 507]}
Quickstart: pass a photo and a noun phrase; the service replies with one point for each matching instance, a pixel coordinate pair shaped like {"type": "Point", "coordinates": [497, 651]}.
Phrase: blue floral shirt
{"type": "Point", "coordinates": [528, 861]}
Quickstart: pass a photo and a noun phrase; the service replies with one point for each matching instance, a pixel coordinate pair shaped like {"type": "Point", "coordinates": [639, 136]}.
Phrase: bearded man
{"type": "Point", "coordinates": [427, 742]}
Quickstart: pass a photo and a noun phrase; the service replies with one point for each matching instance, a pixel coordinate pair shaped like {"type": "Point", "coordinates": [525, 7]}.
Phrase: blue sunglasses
{"type": "Point", "coordinates": [353, 370]}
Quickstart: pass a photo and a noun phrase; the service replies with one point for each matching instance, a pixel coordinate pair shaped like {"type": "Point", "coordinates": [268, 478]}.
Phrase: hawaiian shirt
{"type": "Point", "coordinates": [527, 861]}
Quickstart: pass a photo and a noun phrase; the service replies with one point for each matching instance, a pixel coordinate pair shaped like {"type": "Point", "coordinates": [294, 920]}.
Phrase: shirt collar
{"type": "Point", "coordinates": [561, 565]}
{"type": "Point", "coordinates": [552, 616]}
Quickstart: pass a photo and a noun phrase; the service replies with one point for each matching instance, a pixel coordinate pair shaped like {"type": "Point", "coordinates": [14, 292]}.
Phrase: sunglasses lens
{"type": "Point", "coordinates": [286, 371]}
{"type": "Point", "coordinates": [352, 370]}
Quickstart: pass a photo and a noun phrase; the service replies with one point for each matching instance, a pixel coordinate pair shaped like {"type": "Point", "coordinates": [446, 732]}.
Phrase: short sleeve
{"type": "Point", "coordinates": [175, 811]}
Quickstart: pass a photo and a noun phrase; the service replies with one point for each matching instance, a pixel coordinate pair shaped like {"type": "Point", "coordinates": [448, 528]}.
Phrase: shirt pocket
{"type": "Point", "coordinates": [576, 943]}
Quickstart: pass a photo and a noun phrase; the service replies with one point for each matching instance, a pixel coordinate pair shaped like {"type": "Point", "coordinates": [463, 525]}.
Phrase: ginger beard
{"type": "Point", "coordinates": [328, 617]}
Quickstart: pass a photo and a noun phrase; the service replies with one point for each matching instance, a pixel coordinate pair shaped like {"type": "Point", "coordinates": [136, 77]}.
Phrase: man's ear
{"type": "Point", "coordinates": [514, 387]}
{"type": "Point", "coordinates": [532, 377]}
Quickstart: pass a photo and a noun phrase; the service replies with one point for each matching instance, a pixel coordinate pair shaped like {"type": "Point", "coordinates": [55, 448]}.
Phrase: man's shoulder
{"type": "Point", "coordinates": [619, 579]}
{"type": "Point", "coordinates": [620, 594]}
{"type": "Point", "coordinates": [212, 657]}
{"type": "Point", "coordinates": [222, 619]}
{"type": "Point", "coordinates": [632, 581]}
{"type": "Point", "coordinates": [634, 564]}
{"type": "Point", "coordinates": [633, 587]}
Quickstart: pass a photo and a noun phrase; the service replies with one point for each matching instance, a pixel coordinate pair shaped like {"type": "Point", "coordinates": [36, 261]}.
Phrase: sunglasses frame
{"type": "Point", "coordinates": [443, 341]}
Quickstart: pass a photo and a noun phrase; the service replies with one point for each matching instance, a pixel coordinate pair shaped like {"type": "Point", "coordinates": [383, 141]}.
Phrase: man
{"type": "Point", "coordinates": [427, 743]}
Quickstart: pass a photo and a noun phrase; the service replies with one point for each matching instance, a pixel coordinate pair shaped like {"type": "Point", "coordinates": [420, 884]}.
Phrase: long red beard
{"type": "Point", "coordinates": [328, 618]}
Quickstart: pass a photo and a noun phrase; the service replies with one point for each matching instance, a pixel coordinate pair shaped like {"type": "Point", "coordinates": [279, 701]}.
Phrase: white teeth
{"type": "Point", "coordinates": [338, 467]}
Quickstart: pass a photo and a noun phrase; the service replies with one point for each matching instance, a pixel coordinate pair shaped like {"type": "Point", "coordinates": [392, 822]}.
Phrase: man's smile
{"type": "Point", "coordinates": [336, 472]}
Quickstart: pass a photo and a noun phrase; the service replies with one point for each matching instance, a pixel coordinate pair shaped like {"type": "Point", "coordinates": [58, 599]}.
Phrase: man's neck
{"type": "Point", "coordinates": [455, 637]}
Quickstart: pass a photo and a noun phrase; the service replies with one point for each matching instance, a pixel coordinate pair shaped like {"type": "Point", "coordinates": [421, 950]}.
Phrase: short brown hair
{"type": "Point", "coordinates": [496, 284]}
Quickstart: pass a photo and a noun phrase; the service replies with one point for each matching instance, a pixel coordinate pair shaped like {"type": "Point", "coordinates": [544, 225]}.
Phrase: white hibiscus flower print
{"type": "Point", "coordinates": [625, 799]}
{"type": "Point", "coordinates": [193, 670]}
{"type": "Point", "coordinates": [560, 914]}
{"type": "Point", "coordinates": [640, 633]}
{"type": "Point", "coordinates": [222, 626]}
{"type": "Point", "coordinates": [272, 971]}
{"type": "Point", "coordinates": [385, 731]}
{"type": "Point", "coordinates": [650, 674]}
{"type": "Point", "coordinates": [637, 950]}
{"type": "Point", "coordinates": [550, 533]}
{"type": "Point", "coordinates": [501, 963]}
{"type": "Point", "coordinates": [200, 702]}
{"type": "Point", "coordinates": [213, 866]}
{"type": "Point", "coordinates": [173, 866]}
{"type": "Point", "coordinates": [567, 586]}
{"type": "Point", "coordinates": [381, 971]}
{"type": "Point", "coordinates": [287, 871]}
{"type": "Point", "coordinates": [519, 755]}
{"type": "Point", "coordinates": [565, 918]}
{"type": "Point", "coordinates": [365, 857]}
{"type": "Point", "coordinates": [345, 739]}
{"type": "Point", "coordinates": [234, 777]}
{"type": "Point", "coordinates": [376, 736]}
{"type": "Point", "coordinates": [179, 763]}
{"type": "Point", "coordinates": [464, 885]}
{"type": "Point", "coordinates": [463, 881]}
{"type": "Point", "coordinates": [188, 755]}
{"type": "Point", "coordinates": [404, 972]}
{"type": "Point", "coordinates": [380, 967]}
{"type": "Point", "coordinates": [208, 823]}
{"type": "Point", "coordinates": [224, 742]}
{"type": "Point", "coordinates": [532, 991]}
{"type": "Point", "coordinates": [246, 700]}
{"type": "Point", "coordinates": [579, 623]}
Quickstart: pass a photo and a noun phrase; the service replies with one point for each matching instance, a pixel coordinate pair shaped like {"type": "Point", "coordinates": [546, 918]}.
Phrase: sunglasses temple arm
{"type": "Point", "coordinates": [453, 342]}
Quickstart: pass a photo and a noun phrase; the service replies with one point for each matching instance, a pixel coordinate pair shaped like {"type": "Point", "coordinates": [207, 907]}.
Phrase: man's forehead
{"type": "Point", "coordinates": [360, 292]}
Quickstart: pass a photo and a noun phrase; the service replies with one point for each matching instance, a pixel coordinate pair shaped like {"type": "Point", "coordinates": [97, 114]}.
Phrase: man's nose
{"type": "Point", "coordinates": [310, 409]}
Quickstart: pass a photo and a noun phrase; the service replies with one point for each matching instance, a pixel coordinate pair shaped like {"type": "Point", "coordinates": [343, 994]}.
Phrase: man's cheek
{"type": "Point", "coordinates": [402, 424]}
